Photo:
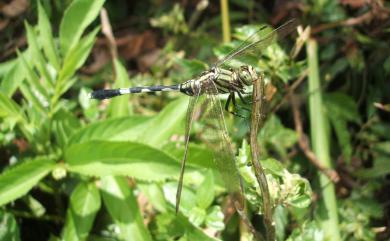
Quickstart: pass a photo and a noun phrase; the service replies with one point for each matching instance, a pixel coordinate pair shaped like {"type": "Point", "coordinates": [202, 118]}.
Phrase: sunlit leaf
{"type": "Point", "coordinates": [205, 192]}
{"type": "Point", "coordinates": [9, 229]}
{"type": "Point", "coordinates": [77, 55]}
{"type": "Point", "coordinates": [121, 204]}
{"type": "Point", "coordinates": [77, 17]}
{"type": "Point", "coordinates": [102, 158]}
{"type": "Point", "coordinates": [46, 37]}
{"type": "Point", "coordinates": [19, 180]}
{"type": "Point", "coordinates": [119, 106]}
{"type": "Point", "coordinates": [84, 204]}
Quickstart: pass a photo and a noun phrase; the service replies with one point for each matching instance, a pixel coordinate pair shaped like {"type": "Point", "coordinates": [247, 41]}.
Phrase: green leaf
{"type": "Point", "coordinates": [155, 132]}
{"type": "Point", "coordinates": [121, 204]}
{"type": "Point", "coordinates": [46, 37]}
{"type": "Point", "coordinates": [19, 180]}
{"type": "Point", "coordinates": [119, 106]}
{"type": "Point", "coordinates": [64, 124]}
{"type": "Point", "coordinates": [205, 193]}
{"type": "Point", "coordinates": [381, 167]}
{"type": "Point", "coordinates": [273, 166]}
{"type": "Point", "coordinates": [77, 55]}
{"type": "Point", "coordinates": [8, 107]}
{"type": "Point", "coordinates": [84, 204]}
{"type": "Point", "coordinates": [101, 158]}
{"type": "Point", "coordinates": [155, 195]}
{"type": "Point", "coordinates": [343, 106]}
{"type": "Point", "coordinates": [118, 129]}
{"type": "Point", "coordinates": [77, 17]}
{"type": "Point", "coordinates": [36, 55]}
{"type": "Point", "coordinates": [39, 103]}
{"type": "Point", "coordinates": [344, 138]}
{"type": "Point", "coordinates": [159, 129]}
{"type": "Point", "coordinates": [9, 229]}
{"type": "Point", "coordinates": [12, 79]}
{"type": "Point", "coordinates": [215, 218]}
{"type": "Point", "coordinates": [39, 91]}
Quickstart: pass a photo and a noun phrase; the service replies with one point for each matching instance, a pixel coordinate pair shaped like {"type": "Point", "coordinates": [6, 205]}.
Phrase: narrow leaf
{"type": "Point", "coordinates": [12, 79]}
{"type": "Point", "coordinates": [76, 56]}
{"type": "Point", "coordinates": [33, 79]}
{"type": "Point", "coordinates": [36, 55]}
{"type": "Point", "coordinates": [46, 37]}
{"type": "Point", "coordinates": [77, 17]}
{"type": "Point", "coordinates": [119, 106]}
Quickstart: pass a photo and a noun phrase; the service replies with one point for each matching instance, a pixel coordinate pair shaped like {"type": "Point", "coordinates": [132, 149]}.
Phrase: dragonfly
{"type": "Point", "coordinates": [219, 79]}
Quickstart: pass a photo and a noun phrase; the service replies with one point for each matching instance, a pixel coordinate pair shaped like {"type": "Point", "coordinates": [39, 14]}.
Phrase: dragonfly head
{"type": "Point", "coordinates": [247, 74]}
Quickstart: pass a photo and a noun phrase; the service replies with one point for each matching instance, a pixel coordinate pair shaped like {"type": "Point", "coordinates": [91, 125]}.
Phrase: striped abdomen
{"type": "Point", "coordinates": [109, 93]}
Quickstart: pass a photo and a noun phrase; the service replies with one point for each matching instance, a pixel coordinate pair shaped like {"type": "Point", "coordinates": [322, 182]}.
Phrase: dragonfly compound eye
{"type": "Point", "coordinates": [247, 74]}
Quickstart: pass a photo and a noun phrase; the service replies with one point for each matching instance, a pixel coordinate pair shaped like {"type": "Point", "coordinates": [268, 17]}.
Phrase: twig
{"type": "Point", "coordinates": [291, 89]}
{"type": "Point", "coordinates": [348, 22]}
{"type": "Point", "coordinates": [304, 143]}
{"type": "Point", "coordinates": [257, 121]}
{"type": "Point", "coordinates": [107, 31]}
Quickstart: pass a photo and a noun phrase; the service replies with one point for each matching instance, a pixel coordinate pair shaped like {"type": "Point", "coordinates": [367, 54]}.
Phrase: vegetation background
{"type": "Point", "coordinates": [75, 169]}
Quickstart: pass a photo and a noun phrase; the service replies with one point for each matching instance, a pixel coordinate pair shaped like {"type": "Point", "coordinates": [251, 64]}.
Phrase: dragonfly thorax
{"type": "Point", "coordinates": [247, 74]}
{"type": "Point", "coordinates": [220, 81]}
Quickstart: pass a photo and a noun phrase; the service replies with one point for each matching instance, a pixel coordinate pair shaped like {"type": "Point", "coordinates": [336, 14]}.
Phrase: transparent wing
{"type": "Point", "coordinates": [222, 147]}
{"type": "Point", "coordinates": [188, 124]}
{"type": "Point", "coordinates": [255, 45]}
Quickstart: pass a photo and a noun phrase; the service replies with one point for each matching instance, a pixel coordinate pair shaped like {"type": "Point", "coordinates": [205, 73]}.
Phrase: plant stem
{"type": "Point", "coordinates": [320, 145]}
{"type": "Point", "coordinates": [225, 21]}
{"type": "Point", "coordinates": [257, 121]}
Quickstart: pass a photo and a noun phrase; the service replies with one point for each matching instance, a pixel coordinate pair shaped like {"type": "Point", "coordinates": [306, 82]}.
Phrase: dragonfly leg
{"type": "Point", "coordinates": [243, 101]}
{"type": "Point", "coordinates": [232, 100]}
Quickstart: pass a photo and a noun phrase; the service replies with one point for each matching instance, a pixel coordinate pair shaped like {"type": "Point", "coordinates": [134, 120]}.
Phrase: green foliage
{"type": "Point", "coordinates": [109, 170]}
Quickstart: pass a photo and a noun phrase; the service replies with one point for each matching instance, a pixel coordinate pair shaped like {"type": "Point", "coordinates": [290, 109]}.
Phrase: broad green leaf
{"type": "Point", "coordinates": [168, 122]}
{"type": "Point", "coordinates": [9, 229]}
{"type": "Point", "coordinates": [119, 106]}
{"type": "Point", "coordinates": [205, 193]}
{"type": "Point", "coordinates": [118, 129]}
{"type": "Point", "coordinates": [198, 155]}
{"type": "Point", "coordinates": [12, 79]}
{"type": "Point", "coordinates": [121, 204]}
{"type": "Point", "coordinates": [102, 158]}
{"type": "Point", "coordinates": [84, 204]}
{"type": "Point", "coordinates": [37, 56]}
{"type": "Point", "coordinates": [17, 181]}
{"type": "Point", "coordinates": [46, 38]}
{"type": "Point", "coordinates": [155, 132]}
{"type": "Point", "coordinates": [77, 55]}
{"type": "Point", "coordinates": [77, 17]}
